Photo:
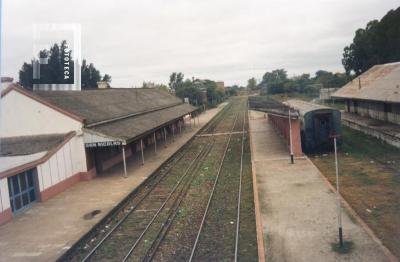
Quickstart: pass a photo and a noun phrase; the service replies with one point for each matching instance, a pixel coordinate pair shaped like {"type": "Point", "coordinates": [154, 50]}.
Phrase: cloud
{"type": "Point", "coordinates": [146, 40]}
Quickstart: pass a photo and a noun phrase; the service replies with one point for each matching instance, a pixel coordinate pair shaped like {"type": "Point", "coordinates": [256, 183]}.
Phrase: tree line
{"type": "Point", "coordinates": [378, 43]}
{"type": "Point", "coordinates": [198, 91]}
{"type": "Point", "coordinates": [277, 81]}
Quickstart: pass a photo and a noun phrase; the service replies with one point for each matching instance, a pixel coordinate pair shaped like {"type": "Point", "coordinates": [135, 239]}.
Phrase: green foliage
{"type": "Point", "coordinates": [194, 88]}
{"type": "Point", "coordinates": [378, 43]}
{"type": "Point", "coordinates": [176, 80]}
{"type": "Point", "coordinates": [277, 82]}
{"type": "Point", "coordinates": [232, 90]}
{"type": "Point", "coordinates": [90, 75]}
{"type": "Point", "coordinates": [53, 72]}
{"type": "Point", "coordinates": [252, 84]}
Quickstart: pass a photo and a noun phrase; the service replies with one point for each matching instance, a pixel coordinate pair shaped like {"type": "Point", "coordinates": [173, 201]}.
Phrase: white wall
{"type": "Point", "coordinates": [68, 161]}
{"type": "Point", "coordinates": [22, 116]}
{"type": "Point", "coordinates": [4, 198]}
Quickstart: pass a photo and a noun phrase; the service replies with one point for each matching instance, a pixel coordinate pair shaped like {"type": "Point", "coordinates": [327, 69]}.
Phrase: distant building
{"type": "Point", "coordinates": [203, 96]}
{"type": "Point", "coordinates": [220, 85]}
{"type": "Point", "coordinates": [102, 85]}
{"type": "Point", "coordinates": [326, 93]}
{"type": "Point", "coordinates": [375, 94]}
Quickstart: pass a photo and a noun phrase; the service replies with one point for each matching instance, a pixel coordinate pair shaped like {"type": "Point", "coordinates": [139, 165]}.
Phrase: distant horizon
{"type": "Point", "coordinates": [222, 41]}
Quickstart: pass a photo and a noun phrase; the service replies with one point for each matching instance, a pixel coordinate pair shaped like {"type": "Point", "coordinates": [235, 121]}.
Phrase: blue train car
{"type": "Point", "coordinates": [317, 123]}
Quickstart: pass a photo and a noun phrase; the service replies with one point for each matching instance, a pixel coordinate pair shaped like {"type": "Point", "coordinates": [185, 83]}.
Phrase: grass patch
{"type": "Point", "coordinates": [369, 173]}
{"type": "Point", "coordinates": [347, 247]}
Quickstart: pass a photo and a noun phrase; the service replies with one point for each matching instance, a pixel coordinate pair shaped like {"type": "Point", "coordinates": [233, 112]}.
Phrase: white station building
{"type": "Point", "coordinates": [50, 140]}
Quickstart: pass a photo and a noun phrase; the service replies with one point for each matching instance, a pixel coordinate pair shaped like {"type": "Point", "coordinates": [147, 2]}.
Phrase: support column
{"type": "Point", "coordinates": [180, 127]}
{"type": "Point", "coordinates": [141, 148]}
{"type": "Point", "coordinates": [155, 142]}
{"type": "Point", "coordinates": [173, 132]}
{"type": "Point", "coordinates": [165, 137]}
{"type": "Point", "coordinates": [124, 160]}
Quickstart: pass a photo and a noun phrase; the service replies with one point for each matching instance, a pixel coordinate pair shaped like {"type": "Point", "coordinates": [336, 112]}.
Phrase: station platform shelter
{"type": "Point", "coordinates": [51, 140]}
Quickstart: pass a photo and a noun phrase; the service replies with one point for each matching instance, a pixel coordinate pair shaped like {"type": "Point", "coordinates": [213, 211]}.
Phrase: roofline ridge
{"type": "Point", "coordinates": [18, 88]}
{"type": "Point", "coordinates": [132, 115]}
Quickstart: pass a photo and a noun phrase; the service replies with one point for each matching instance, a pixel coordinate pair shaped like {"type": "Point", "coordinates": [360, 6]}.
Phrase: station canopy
{"type": "Point", "coordinates": [118, 116]}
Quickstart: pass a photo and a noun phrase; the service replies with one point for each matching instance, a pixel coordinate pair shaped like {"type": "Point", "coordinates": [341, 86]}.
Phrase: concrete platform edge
{"type": "Point", "coordinates": [359, 220]}
{"type": "Point", "coordinates": [259, 227]}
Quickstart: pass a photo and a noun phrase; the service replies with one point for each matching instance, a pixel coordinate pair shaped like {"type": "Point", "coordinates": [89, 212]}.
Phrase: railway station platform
{"type": "Point", "coordinates": [298, 208]}
{"type": "Point", "coordinates": [48, 229]}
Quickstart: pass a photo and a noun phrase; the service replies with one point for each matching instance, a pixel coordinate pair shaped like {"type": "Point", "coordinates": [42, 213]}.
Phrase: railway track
{"type": "Point", "coordinates": [215, 233]}
{"type": "Point", "coordinates": [156, 204]}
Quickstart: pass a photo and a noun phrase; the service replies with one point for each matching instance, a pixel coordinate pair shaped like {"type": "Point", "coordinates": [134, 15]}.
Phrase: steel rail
{"type": "Point", "coordinates": [163, 204]}
{"type": "Point", "coordinates": [133, 208]}
{"type": "Point", "coordinates": [210, 126]}
{"type": "Point", "coordinates": [165, 228]}
{"type": "Point", "coordinates": [240, 189]}
{"type": "Point", "coordinates": [174, 208]}
{"type": "Point", "coordinates": [212, 192]}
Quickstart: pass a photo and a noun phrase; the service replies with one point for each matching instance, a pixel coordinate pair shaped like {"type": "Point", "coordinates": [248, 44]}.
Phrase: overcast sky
{"type": "Point", "coordinates": [228, 40]}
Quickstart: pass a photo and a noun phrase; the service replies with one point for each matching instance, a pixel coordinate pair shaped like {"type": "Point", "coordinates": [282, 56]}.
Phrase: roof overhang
{"type": "Point", "coordinates": [26, 162]}
{"type": "Point", "coordinates": [92, 138]}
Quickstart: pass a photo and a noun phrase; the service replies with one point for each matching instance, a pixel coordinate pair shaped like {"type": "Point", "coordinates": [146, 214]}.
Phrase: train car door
{"type": "Point", "coordinates": [322, 127]}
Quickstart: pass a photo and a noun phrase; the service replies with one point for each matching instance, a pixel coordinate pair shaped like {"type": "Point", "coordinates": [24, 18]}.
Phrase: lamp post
{"type": "Point", "coordinates": [290, 139]}
{"type": "Point", "coordinates": [339, 208]}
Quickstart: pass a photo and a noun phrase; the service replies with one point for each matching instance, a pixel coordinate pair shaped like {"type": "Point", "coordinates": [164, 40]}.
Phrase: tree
{"type": "Point", "coordinates": [60, 69]}
{"type": "Point", "coordinates": [90, 75]}
{"type": "Point", "coordinates": [252, 84]}
{"type": "Point", "coordinates": [274, 81]}
{"type": "Point", "coordinates": [107, 78]}
{"type": "Point", "coordinates": [378, 43]}
{"type": "Point", "coordinates": [175, 80]}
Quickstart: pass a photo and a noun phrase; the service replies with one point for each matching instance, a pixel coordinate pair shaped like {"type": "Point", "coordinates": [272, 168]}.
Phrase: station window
{"type": "Point", "coordinates": [21, 189]}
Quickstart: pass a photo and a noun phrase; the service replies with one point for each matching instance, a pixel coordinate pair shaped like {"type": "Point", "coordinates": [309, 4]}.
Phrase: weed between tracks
{"type": "Point", "coordinates": [217, 241]}
{"type": "Point", "coordinates": [177, 244]}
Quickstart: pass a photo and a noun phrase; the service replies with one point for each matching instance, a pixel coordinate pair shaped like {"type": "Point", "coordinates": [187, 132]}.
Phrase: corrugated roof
{"type": "Point", "coordinates": [107, 104]}
{"type": "Point", "coordinates": [269, 105]}
{"type": "Point", "coordinates": [379, 83]}
{"type": "Point", "coordinates": [304, 107]}
{"type": "Point", "coordinates": [130, 128]}
{"type": "Point", "coordinates": [27, 145]}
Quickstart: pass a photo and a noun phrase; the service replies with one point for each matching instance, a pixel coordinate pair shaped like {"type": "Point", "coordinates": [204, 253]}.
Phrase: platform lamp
{"type": "Point", "coordinates": [339, 208]}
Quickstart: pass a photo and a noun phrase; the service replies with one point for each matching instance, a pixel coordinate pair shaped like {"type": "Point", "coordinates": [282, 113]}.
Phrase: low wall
{"type": "Point", "coordinates": [281, 125]}
{"type": "Point", "coordinates": [392, 140]}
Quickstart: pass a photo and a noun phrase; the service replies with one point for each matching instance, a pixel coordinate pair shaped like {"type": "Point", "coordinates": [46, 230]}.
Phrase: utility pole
{"type": "Point", "coordinates": [339, 208]}
{"type": "Point", "coordinates": [290, 139]}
